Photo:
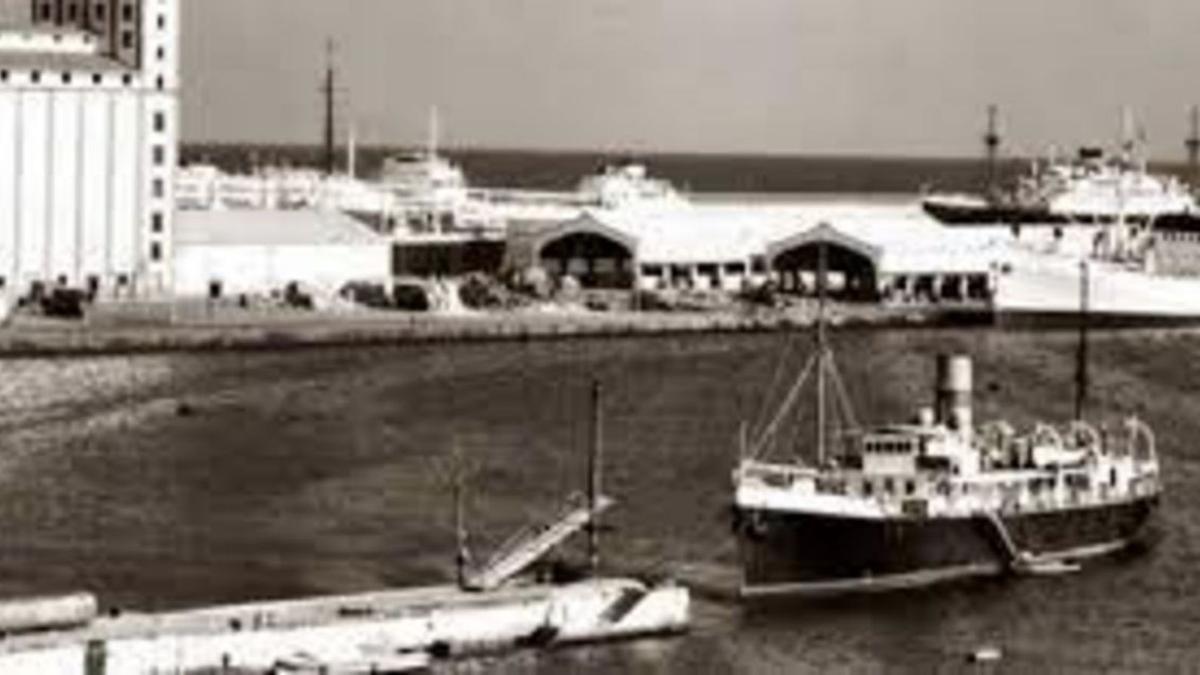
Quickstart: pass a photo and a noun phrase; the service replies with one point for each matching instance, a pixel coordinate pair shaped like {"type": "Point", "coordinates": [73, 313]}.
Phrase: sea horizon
{"type": "Point", "coordinates": [695, 173]}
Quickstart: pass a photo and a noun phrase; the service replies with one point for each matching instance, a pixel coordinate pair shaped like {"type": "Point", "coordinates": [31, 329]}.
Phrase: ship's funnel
{"type": "Point", "coordinates": [954, 391]}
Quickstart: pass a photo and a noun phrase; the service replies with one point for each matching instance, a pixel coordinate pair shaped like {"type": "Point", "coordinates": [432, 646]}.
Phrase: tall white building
{"type": "Point", "coordinates": [89, 128]}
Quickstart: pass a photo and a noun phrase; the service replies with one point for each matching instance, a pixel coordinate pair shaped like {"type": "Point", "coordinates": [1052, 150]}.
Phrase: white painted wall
{"type": "Point", "coordinates": [8, 190]}
{"type": "Point", "coordinates": [78, 167]}
{"type": "Point", "coordinates": [260, 269]}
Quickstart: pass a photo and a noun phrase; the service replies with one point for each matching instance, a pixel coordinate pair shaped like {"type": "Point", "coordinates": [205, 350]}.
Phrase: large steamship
{"type": "Point", "coordinates": [937, 498]}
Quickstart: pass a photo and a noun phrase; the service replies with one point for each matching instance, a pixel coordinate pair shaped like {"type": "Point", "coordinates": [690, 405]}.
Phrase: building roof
{"type": "Point", "coordinates": [262, 227]}
{"type": "Point", "coordinates": [898, 240]}
{"type": "Point", "coordinates": [904, 243]}
{"type": "Point", "coordinates": [685, 235]}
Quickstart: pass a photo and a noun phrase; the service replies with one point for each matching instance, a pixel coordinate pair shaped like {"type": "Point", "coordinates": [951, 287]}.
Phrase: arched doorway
{"type": "Point", "coordinates": [594, 258]}
{"type": "Point", "coordinates": [851, 264]}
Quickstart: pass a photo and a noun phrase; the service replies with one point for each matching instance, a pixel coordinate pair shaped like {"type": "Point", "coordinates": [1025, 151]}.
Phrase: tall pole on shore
{"type": "Point", "coordinates": [328, 90]}
{"type": "Point", "coordinates": [595, 476]}
{"type": "Point", "coordinates": [1081, 354]}
{"type": "Point", "coordinates": [991, 142]}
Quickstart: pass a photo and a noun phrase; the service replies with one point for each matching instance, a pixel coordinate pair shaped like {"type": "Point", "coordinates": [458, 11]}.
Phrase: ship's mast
{"type": "Point", "coordinates": [434, 131]}
{"type": "Point", "coordinates": [1193, 147]}
{"type": "Point", "coordinates": [991, 142]}
{"type": "Point", "coordinates": [328, 90]}
{"type": "Point", "coordinates": [822, 349]}
{"type": "Point", "coordinates": [352, 153]}
{"type": "Point", "coordinates": [1081, 353]}
{"type": "Point", "coordinates": [595, 475]}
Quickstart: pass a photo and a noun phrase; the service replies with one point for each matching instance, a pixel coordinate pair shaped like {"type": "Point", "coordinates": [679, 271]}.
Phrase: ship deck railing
{"type": "Point", "coordinates": [1006, 492]}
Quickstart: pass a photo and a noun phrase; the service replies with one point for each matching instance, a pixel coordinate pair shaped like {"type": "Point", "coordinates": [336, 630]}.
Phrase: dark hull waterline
{"type": "Point", "coordinates": [805, 554]}
{"type": "Point", "coordinates": [963, 214]}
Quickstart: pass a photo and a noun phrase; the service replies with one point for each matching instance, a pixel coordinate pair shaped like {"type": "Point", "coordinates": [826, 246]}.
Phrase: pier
{"type": "Point", "coordinates": [384, 631]}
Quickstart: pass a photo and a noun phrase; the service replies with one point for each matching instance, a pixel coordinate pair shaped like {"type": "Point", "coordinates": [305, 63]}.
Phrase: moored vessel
{"type": "Point", "coordinates": [936, 498]}
{"type": "Point", "coordinates": [1092, 188]}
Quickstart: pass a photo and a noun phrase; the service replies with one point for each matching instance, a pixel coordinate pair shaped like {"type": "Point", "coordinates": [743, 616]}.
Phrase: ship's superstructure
{"type": "Point", "coordinates": [628, 186]}
{"type": "Point", "coordinates": [89, 129]}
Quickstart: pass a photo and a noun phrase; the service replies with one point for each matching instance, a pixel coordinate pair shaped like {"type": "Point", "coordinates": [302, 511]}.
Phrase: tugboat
{"type": "Point", "coordinates": [936, 498]}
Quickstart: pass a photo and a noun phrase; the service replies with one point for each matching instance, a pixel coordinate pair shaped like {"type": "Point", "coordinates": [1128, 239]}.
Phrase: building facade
{"type": "Point", "coordinates": [89, 128]}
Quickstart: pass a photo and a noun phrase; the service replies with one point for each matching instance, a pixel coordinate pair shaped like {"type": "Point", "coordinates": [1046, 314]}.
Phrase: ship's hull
{"type": "Point", "coordinates": [799, 553]}
{"type": "Point", "coordinates": [950, 213]}
{"type": "Point", "coordinates": [1048, 292]}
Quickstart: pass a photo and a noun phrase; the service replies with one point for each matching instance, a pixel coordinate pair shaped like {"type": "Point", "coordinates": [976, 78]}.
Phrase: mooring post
{"type": "Point", "coordinates": [595, 474]}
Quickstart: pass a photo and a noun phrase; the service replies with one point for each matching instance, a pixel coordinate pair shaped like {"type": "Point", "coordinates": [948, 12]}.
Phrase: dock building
{"type": "Point", "coordinates": [872, 255]}
{"type": "Point", "coordinates": [89, 129]}
{"type": "Point", "coordinates": [256, 252]}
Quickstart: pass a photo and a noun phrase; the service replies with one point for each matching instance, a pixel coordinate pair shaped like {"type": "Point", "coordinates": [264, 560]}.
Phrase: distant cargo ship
{"type": "Point", "coordinates": [1093, 188]}
{"type": "Point", "coordinates": [911, 504]}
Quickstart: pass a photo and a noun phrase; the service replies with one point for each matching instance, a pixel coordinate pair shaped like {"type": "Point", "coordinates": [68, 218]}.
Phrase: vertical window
{"type": "Point", "coordinates": [155, 251]}
{"type": "Point", "coordinates": [160, 155]}
{"type": "Point", "coordinates": [3, 76]}
{"type": "Point", "coordinates": [156, 222]}
{"type": "Point", "coordinates": [97, 78]}
{"type": "Point", "coordinates": [127, 39]}
{"type": "Point", "coordinates": [100, 12]}
{"type": "Point", "coordinates": [162, 22]}
{"type": "Point", "coordinates": [160, 83]}
{"type": "Point", "coordinates": [127, 12]}
{"type": "Point", "coordinates": [158, 188]}
{"type": "Point", "coordinates": [35, 76]}
{"type": "Point", "coordinates": [160, 122]}
{"type": "Point", "coordinates": [161, 53]}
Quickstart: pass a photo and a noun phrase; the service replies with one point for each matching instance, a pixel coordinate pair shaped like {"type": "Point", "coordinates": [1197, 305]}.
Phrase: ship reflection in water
{"type": "Point", "coordinates": [312, 472]}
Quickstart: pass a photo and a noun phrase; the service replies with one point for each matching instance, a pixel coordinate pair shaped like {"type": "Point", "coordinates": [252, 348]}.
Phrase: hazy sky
{"type": "Point", "coordinates": [782, 76]}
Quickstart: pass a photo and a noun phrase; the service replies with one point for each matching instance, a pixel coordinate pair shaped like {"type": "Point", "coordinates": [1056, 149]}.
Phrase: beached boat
{"type": "Point", "coordinates": [937, 498]}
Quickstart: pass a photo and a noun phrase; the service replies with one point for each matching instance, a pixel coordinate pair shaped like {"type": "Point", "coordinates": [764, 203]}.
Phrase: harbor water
{"type": "Point", "coordinates": [177, 480]}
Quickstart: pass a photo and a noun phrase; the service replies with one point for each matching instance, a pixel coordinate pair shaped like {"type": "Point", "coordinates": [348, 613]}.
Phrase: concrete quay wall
{"type": "Point", "coordinates": [250, 332]}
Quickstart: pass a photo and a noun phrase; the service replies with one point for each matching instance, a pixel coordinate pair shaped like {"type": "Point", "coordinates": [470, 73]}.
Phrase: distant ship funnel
{"type": "Point", "coordinates": [954, 391]}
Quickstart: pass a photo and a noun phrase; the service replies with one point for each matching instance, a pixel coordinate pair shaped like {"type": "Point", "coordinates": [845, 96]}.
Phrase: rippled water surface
{"type": "Point", "coordinates": [167, 481]}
